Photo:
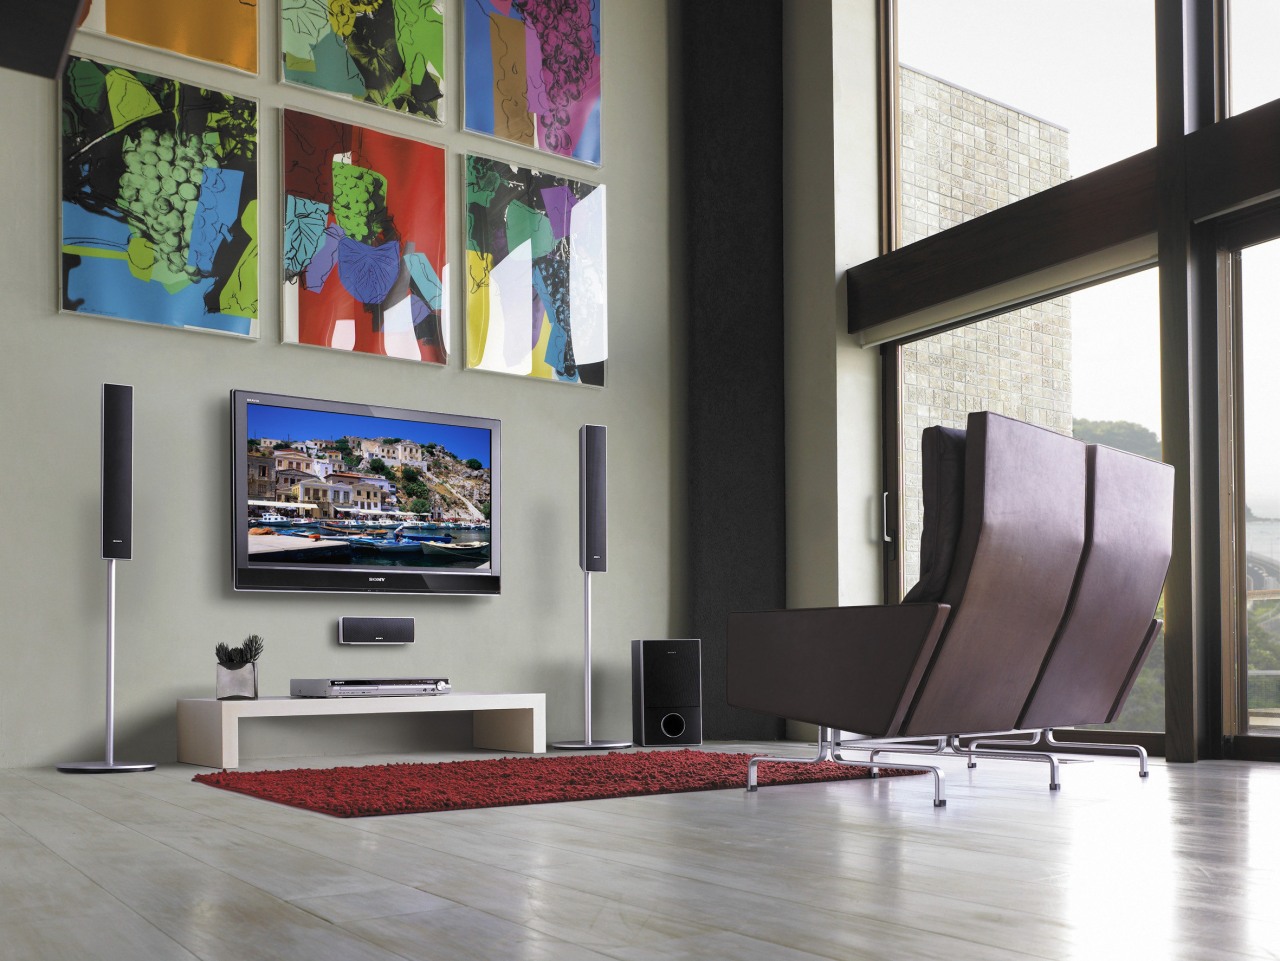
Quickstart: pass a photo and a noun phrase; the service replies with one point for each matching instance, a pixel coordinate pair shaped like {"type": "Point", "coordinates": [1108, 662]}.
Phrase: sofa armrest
{"type": "Point", "coordinates": [851, 668]}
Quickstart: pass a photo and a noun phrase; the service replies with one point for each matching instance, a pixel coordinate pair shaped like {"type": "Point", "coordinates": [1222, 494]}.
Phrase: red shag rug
{"type": "Point", "coordinates": [351, 792]}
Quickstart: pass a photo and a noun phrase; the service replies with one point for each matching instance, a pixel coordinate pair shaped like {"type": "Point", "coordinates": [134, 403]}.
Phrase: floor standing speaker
{"type": "Point", "coordinates": [117, 545]}
{"type": "Point", "coordinates": [592, 557]}
{"type": "Point", "coordinates": [666, 692]}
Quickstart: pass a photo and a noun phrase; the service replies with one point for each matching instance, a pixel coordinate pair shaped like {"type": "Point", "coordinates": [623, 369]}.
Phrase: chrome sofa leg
{"type": "Point", "coordinates": [827, 747]}
{"type": "Point", "coordinates": [939, 779]}
{"type": "Point", "coordinates": [826, 752]}
{"type": "Point", "coordinates": [874, 748]}
{"type": "Point", "coordinates": [906, 748]}
{"type": "Point", "coordinates": [1136, 749]}
{"type": "Point", "coordinates": [982, 743]}
{"type": "Point", "coordinates": [1045, 736]}
{"type": "Point", "coordinates": [971, 751]}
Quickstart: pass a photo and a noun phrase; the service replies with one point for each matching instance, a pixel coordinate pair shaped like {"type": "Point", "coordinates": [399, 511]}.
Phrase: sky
{"type": "Point", "coordinates": [1260, 300]}
{"type": "Point", "coordinates": [1089, 65]}
{"type": "Point", "coordinates": [291, 424]}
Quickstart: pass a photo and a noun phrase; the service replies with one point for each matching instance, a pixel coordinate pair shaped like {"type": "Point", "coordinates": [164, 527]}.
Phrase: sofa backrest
{"type": "Point", "coordinates": [1106, 633]}
{"type": "Point", "coordinates": [1016, 559]}
{"type": "Point", "coordinates": [942, 481]}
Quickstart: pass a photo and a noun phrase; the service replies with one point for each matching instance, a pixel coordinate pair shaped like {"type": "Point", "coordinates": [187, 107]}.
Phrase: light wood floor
{"type": "Point", "coordinates": [1184, 864]}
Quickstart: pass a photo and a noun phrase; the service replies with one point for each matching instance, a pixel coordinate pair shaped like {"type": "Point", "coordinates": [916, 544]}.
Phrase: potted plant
{"type": "Point", "coordinates": [238, 669]}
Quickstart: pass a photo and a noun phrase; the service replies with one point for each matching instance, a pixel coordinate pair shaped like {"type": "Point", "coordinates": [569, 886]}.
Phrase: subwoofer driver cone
{"type": "Point", "coordinates": [672, 725]}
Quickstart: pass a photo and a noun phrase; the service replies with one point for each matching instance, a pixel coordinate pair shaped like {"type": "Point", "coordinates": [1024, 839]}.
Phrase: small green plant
{"type": "Point", "coordinates": [246, 653]}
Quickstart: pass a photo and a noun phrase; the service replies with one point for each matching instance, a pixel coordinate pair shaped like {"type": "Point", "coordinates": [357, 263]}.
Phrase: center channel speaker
{"type": "Point", "coordinates": [666, 692]}
{"type": "Point", "coordinates": [375, 630]}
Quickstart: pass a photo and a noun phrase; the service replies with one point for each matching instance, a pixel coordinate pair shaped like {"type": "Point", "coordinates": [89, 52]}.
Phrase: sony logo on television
{"type": "Point", "coordinates": [376, 580]}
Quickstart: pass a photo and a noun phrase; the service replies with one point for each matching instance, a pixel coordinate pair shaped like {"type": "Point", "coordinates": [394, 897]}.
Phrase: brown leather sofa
{"type": "Point", "coordinates": [1042, 564]}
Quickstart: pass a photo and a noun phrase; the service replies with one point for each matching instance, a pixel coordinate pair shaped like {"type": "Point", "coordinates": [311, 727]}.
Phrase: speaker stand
{"type": "Point", "coordinates": [587, 744]}
{"type": "Point", "coordinates": [110, 765]}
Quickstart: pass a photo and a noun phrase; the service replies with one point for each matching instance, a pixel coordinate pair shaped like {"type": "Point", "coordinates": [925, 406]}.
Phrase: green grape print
{"type": "Point", "coordinates": [359, 199]}
{"type": "Point", "coordinates": [159, 191]}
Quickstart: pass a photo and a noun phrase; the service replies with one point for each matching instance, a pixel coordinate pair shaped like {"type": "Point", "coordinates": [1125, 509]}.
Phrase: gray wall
{"type": "Point", "coordinates": [174, 598]}
{"type": "Point", "coordinates": [830, 223]}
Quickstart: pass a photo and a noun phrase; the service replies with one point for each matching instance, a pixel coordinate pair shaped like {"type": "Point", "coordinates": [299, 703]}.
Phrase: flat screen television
{"type": "Point", "coordinates": [353, 498]}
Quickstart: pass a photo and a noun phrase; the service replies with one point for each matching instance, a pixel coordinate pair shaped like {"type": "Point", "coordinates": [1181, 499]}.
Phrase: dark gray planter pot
{"type": "Point", "coordinates": [239, 682]}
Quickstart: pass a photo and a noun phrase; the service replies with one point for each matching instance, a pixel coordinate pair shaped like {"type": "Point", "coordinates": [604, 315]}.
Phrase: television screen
{"type": "Point", "coordinates": [333, 496]}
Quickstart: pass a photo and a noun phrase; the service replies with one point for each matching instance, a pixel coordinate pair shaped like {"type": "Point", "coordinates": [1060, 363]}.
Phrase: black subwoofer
{"type": "Point", "coordinates": [666, 692]}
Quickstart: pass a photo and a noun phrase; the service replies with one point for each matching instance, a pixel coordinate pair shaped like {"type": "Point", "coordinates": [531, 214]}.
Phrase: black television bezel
{"type": "Point", "coordinates": [340, 579]}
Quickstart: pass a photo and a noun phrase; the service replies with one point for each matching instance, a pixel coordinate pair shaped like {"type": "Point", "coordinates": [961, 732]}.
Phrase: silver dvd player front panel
{"type": "Point", "coordinates": [367, 687]}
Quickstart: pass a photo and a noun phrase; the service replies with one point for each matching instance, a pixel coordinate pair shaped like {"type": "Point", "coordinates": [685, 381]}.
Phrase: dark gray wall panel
{"type": "Point", "coordinates": [731, 124]}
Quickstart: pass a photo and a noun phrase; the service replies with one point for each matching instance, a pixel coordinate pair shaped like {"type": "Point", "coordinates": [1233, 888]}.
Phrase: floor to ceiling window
{"type": "Point", "coordinates": [1257, 325]}
{"type": "Point", "coordinates": [1253, 527]}
{"type": "Point", "coordinates": [1004, 205]}
{"type": "Point", "coordinates": [1254, 68]}
{"type": "Point", "coordinates": [1000, 99]}
{"type": "Point", "coordinates": [1085, 364]}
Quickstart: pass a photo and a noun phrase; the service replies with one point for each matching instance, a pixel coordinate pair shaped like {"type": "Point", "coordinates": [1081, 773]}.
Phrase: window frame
{"type": "Point", "coordinates": [1163, 206]}
{"type": "Point", "coordinates": [1233, 233]}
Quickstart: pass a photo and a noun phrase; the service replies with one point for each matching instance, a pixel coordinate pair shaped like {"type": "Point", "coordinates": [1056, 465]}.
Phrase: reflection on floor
{"type": "Point", "coordinates": [1183, 864]}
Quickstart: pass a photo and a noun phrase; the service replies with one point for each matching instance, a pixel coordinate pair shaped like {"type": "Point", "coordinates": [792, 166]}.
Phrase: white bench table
{"type": "Point", "coordinates": [209, 729]}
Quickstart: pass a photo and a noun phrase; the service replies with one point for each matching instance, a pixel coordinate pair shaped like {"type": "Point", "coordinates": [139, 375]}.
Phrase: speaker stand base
{"type": "Point", "coordinates": [102, 767]}
{"type": "Point", "coordinates": [590, 745]}
{"type": "Point", "coordinates": [110, 765]}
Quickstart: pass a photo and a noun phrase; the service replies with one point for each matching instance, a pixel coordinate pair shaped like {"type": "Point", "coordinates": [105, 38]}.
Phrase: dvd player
{"type": "Point", "coordinates": [367, 687]}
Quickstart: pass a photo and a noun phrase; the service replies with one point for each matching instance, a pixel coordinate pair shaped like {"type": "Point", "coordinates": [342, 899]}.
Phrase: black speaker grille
{"type": "Point", "coordinates": [672, 674]}
{"type": "Point", "coordinates": [117, 471]}
{"type": "Point", "coordinates": [375, 630]}
{"type": "Point", "coordinates": [593, 552]}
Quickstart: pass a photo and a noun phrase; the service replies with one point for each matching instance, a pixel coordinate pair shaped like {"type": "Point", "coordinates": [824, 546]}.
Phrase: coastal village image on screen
{"type": "Point", "coordinates": [331, 488]}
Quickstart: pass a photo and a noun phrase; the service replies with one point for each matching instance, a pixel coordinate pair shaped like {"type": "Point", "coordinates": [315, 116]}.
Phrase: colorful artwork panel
{"type": "Point", "coordinates": [220, 31]}
{"type": "Point", "coordinates": [536, 291]}
{"type": "Point", "coordinates": [533, 74]}
{"type": "Point", "coordinates": [159, 200]}
{"type": "Point", "coordinates": [389, 53]}
{"type": "Point", "coordinates": [364, 241]}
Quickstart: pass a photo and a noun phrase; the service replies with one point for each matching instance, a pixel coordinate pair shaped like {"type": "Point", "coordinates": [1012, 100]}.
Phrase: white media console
{"type": "Point", "coordinates": [209, 729]}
